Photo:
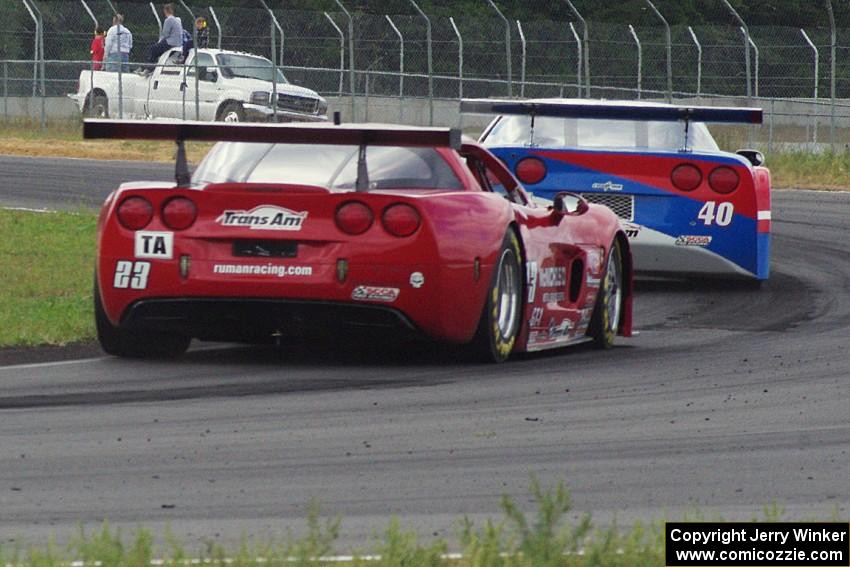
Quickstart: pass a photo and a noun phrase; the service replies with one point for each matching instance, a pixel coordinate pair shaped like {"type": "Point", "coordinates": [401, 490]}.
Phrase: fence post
{"type": "Point", "coordinates": [351, 78]}
{"type": "Point", "coordinates": [274, 24]}
{"type": "Point", "coordinates": [112, 7]}
{"type": "Point", "coordinates": [756, 50]}
{"type": "Point", "coordinates": [524, 53]}
{"type": "Point", "coordinates": [507, 45]}
{"type": "Point", "coordinates": [400, 67]}
{"type": "Point", "coordinates": [88, 10]}
{"type": "Point", "coordinates": [217, 26]}
{"type": "Point", "coordinates": [578, 55]}
{"type": "Point", "coordinates": [640, 59]}
{"type": "Point", "coordinates": [746, 31]}
{"type": "Point", "coordinates": [430, 63]}
{"type": "Point", "coordinates": [814, 116]}
{"type": "Point", "coordinates": [341, 52]}
{"type": "Point", "coordinates": [91, 65]}
{"type": "Point", "coordinates": [669, 41]}
{"type": "Point", "coordinates": [459, 58]}
{"type": "Point", "coordinates": [195, 61]}
{"type": "Point", "coordinates": [35, 48]}
{"type": "Point", "coordinates": [832, 42]}
{"type": "Point", "coordinates": [770, 127]}
{"type": "Point", "coordinates": [586, 47]}
{"type": "Point", "coordinates": [699, 60]}
{"type": "Point", "coordinates": [40, 56]}
{"type": "Point", "coordinates": [5, 91]}
{"type": "Point", "coordinates": [156, 15]}
{"type": "Point", "coordinates": [366, 97]}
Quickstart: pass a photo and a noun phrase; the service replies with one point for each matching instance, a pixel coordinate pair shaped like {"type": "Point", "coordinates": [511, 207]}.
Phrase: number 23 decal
{"type": "Point", "coordinates": [716, 213]}
{"type": "Point", "coordinates": [133, 275]}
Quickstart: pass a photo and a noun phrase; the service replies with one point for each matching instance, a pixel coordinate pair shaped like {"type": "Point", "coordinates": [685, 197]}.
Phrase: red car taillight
{"type": "Point", "coordinates": [723, 180]}
{"type": "Point", "coordinates": [686, 177]}
{"type": "Point", "coordinates": [135, 213]}
{"type": "Point", "coordinates": [179, 213]}
{"type": "Point", "coordinates": [354, 218]}
{"type": "Point", "coordinates": [401, 220]}
{"type": "Point", "coordinates": [530, 170]}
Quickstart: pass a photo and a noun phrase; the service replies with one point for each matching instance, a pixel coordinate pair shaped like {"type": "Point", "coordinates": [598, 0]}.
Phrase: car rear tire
{"type": "Point", "coordinates": [232, 112]}
{"type": "Point", "coordinates": [98, 107]}
{"type": "Point", "coordinates": [502, 315]}
{"type": "Point", "coordinates": [607, 312]}
{"type": "Point", "coordinates": [134, 344]}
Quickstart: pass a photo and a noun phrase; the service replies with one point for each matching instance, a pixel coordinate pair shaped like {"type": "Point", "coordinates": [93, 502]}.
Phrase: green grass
{"type": "Point", "coordinates": [801, 170]}
{"type": "Point", "coordinates": [45, 289]}
{"type": "Point", "coordinates": [64, 138]}
{"type": "Point", "coordinates": [546, 538]}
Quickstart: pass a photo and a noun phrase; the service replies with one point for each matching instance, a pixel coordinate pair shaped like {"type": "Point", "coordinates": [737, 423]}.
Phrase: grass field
{"type": "Point", "coordinates": [790, 170]}
{"type": "Point", "coordinates": [543, 539]}
{"type": "Point", "coordinates": [65, 139]}
{"type": "Point", "coordinates": [45, 289]}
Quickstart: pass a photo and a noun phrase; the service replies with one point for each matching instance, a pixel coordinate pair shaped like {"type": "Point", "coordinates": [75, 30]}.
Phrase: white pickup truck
{"type": "Point", "coordinates": [232, 87]}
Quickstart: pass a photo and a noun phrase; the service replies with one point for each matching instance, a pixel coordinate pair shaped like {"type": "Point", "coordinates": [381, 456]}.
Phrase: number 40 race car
{"type": "Point", "coordinates": [688, 208]}
{"type": "Point", "coordinates": [305, 229]}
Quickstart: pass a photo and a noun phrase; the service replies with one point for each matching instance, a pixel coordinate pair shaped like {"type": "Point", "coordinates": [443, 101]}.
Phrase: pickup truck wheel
{"type": "Point", "coordinates": [98, 107]}
{"type": "Point", "coordinates": [232, 112]}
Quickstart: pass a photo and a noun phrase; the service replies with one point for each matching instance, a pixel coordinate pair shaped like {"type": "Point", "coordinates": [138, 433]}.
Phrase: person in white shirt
{"type": "Point", "coordinates": [119, 43]}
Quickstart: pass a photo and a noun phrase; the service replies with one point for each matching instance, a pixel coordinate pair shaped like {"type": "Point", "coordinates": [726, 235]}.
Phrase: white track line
{"type": "Point", "coordinates": [28, 210]}
{"type": "Point", "coordinates": [54, 363]}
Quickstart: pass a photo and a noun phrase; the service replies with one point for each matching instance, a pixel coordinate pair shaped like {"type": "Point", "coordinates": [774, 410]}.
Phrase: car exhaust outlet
{"type": "Point", "coordinates": [341, 270]}
{"type": "Point", "coordinates": [185, 264]}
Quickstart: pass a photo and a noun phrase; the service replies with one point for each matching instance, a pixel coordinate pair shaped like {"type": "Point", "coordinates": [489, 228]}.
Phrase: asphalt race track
{"type": "Point", "coordinates": [64, 183]}
{"type": "Point", "coordinates": [729, 399]}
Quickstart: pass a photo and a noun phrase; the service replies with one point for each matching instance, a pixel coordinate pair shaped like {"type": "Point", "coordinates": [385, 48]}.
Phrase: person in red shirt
{"type": "Point", "coordinates": [97, 48]}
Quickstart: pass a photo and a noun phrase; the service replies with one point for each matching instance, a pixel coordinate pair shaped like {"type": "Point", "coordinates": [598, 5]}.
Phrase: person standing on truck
{"type": "Point", "coordinates": [97, 48]}
{"type": "Point", "coordinates": [170, 36]}
{"type": "Point", "coordinates": [118, 44]}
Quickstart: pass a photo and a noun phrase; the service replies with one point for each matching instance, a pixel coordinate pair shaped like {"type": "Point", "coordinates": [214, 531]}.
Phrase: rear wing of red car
{"type": "Point", "coordinates": [292, 133]}
{"type": "Point", "coordinates": [361, 135]}
{"type": "Point", "coordinates": [614, 110]}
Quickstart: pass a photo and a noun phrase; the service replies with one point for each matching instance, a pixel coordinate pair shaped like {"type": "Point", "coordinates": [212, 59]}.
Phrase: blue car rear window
{"type": "Point", "coordinates": [594, 133]}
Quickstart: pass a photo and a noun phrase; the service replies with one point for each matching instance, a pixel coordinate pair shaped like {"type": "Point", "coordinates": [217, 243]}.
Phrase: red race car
{"type": "Point", "coordinates": [303, 229]}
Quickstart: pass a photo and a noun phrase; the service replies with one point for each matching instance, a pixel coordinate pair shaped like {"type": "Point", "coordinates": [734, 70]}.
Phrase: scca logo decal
{"type": "Point", "coordinates": [264, 217]}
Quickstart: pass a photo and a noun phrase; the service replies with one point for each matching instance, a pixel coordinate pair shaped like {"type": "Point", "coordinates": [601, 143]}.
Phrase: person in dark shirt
{"type": "Point", "coordinates": [202, 31]}
{"type": "Point", "coordinates": [96, 50]}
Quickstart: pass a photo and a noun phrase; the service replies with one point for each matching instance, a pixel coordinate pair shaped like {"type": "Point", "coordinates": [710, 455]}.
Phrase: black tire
{"type": "Point", "coordinates": [97, 107]}
{"type": "Point", "coordinates": [232, 112]}
{"type": "Point", "coordinates": [134, 344]}
{"type": "Point", "coordinates": [607, 313]}
{"type": "Point", "coordinates": [501, 317]}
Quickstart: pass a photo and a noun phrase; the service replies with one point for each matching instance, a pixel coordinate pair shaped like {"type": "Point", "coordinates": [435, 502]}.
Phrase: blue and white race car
{"type": "Point", "coordinates": [688, 208]}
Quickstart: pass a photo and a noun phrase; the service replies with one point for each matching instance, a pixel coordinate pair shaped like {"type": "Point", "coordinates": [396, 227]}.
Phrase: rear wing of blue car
{"type": "Point", "coordinates": [614, 110]}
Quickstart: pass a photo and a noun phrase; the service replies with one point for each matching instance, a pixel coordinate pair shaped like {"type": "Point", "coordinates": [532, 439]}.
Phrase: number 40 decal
{"type": "Point", "coordinates": [133, 275]}
{"type": "Point", "coordinates": [713, 213]}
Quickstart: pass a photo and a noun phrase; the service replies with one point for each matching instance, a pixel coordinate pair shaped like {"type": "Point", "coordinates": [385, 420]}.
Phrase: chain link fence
{"type": "Point", "coordinates": [405, 51]}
